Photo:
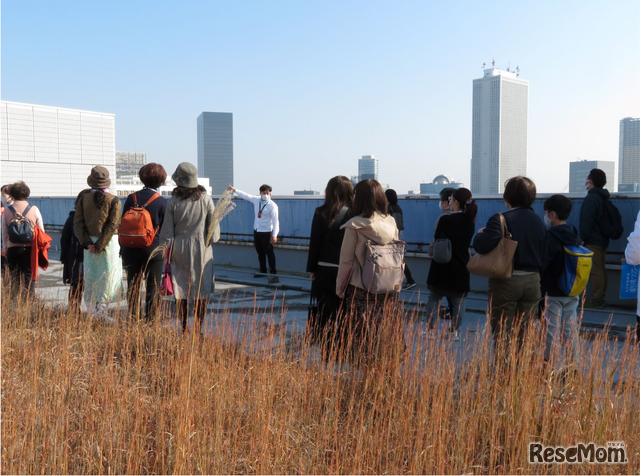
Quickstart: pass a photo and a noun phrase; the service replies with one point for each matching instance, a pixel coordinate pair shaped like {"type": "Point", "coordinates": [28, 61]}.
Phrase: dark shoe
{"type": "Point", "coordinates": [260, 274]}
{"type": "Point", "coordinates": [410, 285]}
{"type": "Point", "coordinates": [591, 304]}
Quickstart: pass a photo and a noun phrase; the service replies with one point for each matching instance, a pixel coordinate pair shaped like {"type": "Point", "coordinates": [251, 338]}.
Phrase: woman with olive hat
{"type": "Point", "coordinates": [96, 221]}
{"type": "Point", "coordinates": [186, 231]}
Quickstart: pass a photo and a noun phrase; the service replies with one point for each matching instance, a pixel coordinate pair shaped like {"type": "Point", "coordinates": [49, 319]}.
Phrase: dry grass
{"type": "Point", "coordinates": [79, 396]}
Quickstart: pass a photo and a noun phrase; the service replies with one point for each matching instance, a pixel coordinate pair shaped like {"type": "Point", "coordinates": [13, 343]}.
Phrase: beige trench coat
{"type": "Point", "coordinates": [185, 230]}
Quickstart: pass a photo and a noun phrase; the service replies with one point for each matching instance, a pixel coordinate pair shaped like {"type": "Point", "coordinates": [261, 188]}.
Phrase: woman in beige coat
{"type": "Point", "coordinates": [187, 220]}
{"type": "Point", "coordinates": [362, 311]}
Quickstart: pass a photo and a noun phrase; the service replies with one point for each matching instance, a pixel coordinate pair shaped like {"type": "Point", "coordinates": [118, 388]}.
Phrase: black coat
{"type": "Point", "coordinates": [526, 228]}
{"type": "Point", "coordinates": [453, 276]}
{"type": "Point", "coordinates": [325, 242]}
{"type": "Point", "coordinates": [156, 210]}
{"type": "Point", "coordinates": [71, 253]}
{"type": "Point", "coordinates": [591, 213]}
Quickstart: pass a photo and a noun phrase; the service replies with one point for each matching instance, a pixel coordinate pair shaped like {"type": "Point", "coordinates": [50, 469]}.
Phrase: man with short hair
{"type": "Point", "coordinates": [591, 215]}
{"type": "Point", "coordinates": [265, 228]}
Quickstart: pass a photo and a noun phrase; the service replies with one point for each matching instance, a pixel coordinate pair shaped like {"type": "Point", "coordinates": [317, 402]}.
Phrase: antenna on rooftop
{"type": "Point", "coordinates": [493, 63]}
{"type": "Point", "coordinates": [509, 67]}
{"type": "Point", "coordinates": [484, 65]}
{"type": "Point", "coordinates": [517, 70]}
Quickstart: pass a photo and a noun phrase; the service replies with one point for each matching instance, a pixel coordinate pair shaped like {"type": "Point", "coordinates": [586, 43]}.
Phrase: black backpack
{"type": "Point", "coordinates": [611, 221]}
{"type": "Point", "coordinates": [20, 228]}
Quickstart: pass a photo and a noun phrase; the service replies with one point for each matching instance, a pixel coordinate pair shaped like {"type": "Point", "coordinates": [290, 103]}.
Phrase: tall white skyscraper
{"type": "Point", "coordinates": [629, 152]}
{"type": "Point", "coordinates": [215, 149]}
{"type": "Point", "coordinates": [499, 130]}
{"type": "Point", "coordinates": [368, 167]}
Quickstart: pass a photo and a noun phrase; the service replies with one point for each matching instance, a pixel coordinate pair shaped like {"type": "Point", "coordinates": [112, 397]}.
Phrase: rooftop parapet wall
{"type": "Point", "coordinates": [420, 214]}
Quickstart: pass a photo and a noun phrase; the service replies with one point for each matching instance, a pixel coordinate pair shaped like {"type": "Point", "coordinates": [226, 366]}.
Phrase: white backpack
{"type": "Point", "coordinates": [383, 269]}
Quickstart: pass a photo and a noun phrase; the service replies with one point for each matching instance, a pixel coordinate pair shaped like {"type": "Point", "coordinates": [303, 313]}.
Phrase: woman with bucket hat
{"type": "Point", "coordinates": [186, 231]}
{"type": "Point", "coordinates": [96, 221]}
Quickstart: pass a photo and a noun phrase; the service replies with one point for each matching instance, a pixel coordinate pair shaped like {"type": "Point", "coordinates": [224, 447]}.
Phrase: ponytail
{"type": "Point", "coordinates": [99, 197]}
{"type": "Point", "coordinates": [467, 203]}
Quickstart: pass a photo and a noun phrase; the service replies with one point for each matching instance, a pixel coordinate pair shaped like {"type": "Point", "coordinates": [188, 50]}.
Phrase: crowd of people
{"type": "Point", "coordinates": [179, 231]}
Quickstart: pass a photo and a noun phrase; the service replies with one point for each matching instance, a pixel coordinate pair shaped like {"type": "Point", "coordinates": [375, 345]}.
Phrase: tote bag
{"type": "Point", "coordinates": [498, 263]}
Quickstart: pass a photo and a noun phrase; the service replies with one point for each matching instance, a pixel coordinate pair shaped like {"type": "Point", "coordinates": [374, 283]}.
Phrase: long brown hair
{"type": "Point", "coordinates": [338, 194]}
{"type": "Point", "coordinates": [370, 198]}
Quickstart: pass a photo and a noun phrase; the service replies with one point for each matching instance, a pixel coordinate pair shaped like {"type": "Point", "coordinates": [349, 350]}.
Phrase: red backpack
{"type": "Point", "coordinates": [136, 228]}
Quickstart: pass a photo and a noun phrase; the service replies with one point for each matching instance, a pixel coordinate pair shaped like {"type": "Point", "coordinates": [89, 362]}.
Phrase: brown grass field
{"type": "Point", "coordinates": [80, 396]}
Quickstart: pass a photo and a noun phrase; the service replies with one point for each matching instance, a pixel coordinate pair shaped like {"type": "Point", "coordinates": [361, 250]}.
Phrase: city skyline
{"type": "Point", "coordinates": [311, 92]}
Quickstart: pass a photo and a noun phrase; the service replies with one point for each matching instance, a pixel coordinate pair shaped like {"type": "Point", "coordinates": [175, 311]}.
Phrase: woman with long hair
{"type": "Point", "coordinates": [96, 222]}
{"type": "Point", "coordinates": [185, 230]}
{"type": "Point", "coordinates": [324, 255]}
{"type": "Point", "coordinates": [451, 280]}
{"type": "Point", "coordinates": [362, 311]}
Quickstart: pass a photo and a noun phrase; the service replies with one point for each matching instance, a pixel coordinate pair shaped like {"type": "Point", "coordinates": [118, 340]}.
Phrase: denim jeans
{"type": "Point", "coordinates": [457, 307]}
{"type": "Point", "coordinates": [562, 326]}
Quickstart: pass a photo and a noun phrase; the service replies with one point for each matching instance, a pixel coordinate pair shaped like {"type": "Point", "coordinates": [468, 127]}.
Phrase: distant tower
{"type": "Point", "coordinates": [499, 130]}
{"type": "Point", "coordinates": [629, 153]}
{"type": "Point", "coordinates": [368, 167]}
{"type": "Point", "coordinates": [215, 149]}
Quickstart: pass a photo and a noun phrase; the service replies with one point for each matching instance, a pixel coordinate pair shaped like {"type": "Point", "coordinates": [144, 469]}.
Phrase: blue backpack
{"type": "Point", "coordinates": [577, 267]}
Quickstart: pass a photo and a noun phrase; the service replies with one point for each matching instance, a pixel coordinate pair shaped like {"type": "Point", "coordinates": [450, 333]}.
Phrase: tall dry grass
{"type": "Point", "coordinates": [80, 396]}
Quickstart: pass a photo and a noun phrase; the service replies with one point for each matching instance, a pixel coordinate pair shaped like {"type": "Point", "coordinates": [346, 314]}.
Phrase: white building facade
{"type": "Point", "coordinates": [215, 149]}
{"type": "Point", "coordinates": [629, 151]}
{"type": "Point", "coordinates": [53, 149]}
{"type": "Point", "coordinates": [579, 171]}
{"type": "Point", "coordinates": [499, 130]}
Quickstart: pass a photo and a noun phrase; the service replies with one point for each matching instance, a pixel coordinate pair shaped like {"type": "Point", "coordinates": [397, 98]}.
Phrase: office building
{"type": "Point", "coordinates": [53, 149]}
{"type": "Point", "coordinates": [129, 163]}
{"type": "Point", "coordinates": [578, 172]}
{"type": "Point", "coordinates": [440, 182]}
{"type": "Point", "coordinates": [368, 167]}
{"type": "Point", "coordinates": [499, 130]}
{"type": "Point", "coordinates": [215, 149]}
{"type": "Point", "coordinates": [629, 153]}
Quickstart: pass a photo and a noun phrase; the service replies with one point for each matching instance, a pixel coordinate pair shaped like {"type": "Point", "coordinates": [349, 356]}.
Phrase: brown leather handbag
{"type": "Point", "coordinates": [498, 263]}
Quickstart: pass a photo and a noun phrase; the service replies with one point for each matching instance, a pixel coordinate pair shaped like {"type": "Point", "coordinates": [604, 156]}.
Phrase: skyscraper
{"type": "Point", "coordinates": [629, 153]}
{"type": "Point", "coordinates": [499, 130]}
{"type": "Point", "coordinates": [215, 149]}
{"type": "Point", "coordinates": [578, 172]}
{"type": "Point", "coordinates": [368, 167]}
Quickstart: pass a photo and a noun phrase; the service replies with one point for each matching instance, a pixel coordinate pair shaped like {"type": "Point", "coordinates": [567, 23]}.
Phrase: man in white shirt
{"type": "Point", "coordinates": [265, 227]}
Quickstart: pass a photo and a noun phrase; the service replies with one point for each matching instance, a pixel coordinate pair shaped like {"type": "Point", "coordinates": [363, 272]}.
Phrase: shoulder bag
{"type": "Point", "coordinates": [498, 263]}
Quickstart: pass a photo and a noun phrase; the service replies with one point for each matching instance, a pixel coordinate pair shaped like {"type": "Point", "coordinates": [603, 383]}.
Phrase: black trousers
{"type": "Point", "coordinates": [264, 247]}
{"type": "Point", "coordinates": [199, 310]}
{"type": "Point", "coordinates": [151, 272]}
{"type": "Point", "coordinates": [323, 288]}
{"type": "Point", "coordinates": [19, 261]}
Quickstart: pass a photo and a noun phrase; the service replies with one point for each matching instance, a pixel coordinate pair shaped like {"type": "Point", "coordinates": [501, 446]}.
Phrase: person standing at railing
{"type": "Point", "coordinates": [514, 301]}
{"type": "Point", "coordinates": [266, 227]}
{"type": "Point", "coordinates": [96, 222]}
{"type": "Point", "coordinates": [187, 223]}
{"type": "Point", "coordinates": [632, 255]}
{"type": "Point", "coordinates": [452, 279]}
{"type": "Point", "coordinates": [396, 212]}
{"type": "Point", "coordinates": [324, 256]}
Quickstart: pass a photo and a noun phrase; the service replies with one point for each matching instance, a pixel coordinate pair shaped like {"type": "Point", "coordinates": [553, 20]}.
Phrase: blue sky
{"type": "Point", "coordinates": [315, 85]}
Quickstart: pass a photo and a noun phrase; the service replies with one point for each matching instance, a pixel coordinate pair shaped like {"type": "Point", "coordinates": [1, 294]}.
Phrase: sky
{"type": "Point", "coordinates": [315, 85]}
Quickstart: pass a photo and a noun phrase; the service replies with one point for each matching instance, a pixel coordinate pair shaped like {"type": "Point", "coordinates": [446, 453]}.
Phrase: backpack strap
{"type": "Point", "coordinates": [155, 195]}
{"type": "Point", "coordinates": [23, 214]}
{"type": "Point", "coordinates": [135, 200]}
